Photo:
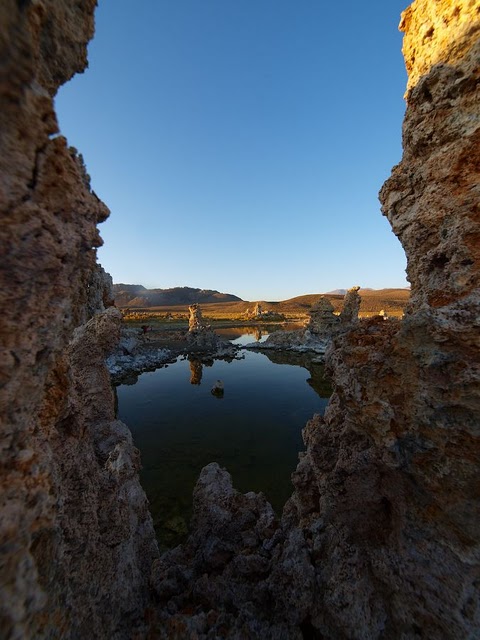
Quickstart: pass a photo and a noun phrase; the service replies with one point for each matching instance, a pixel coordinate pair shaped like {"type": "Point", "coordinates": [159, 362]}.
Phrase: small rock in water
{"type": "Point", "coordinates": [217, 389]}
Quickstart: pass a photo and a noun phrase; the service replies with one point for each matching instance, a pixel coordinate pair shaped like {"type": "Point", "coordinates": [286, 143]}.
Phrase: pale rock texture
{"type": "Point", "coordinates": [322, 319]}
{"type": "Point", "coordinates": [134, 354]}
{"type": "Point", "coordinates": [76, 539]}
{"type": "Point", "coordinates": [195, 319]}
{"type": "Point", "coordinates": [351, 306]}
{"type": "Point", "coordinates": [200, 334]}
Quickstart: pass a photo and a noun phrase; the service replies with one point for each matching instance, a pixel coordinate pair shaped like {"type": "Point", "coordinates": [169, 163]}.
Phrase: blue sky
{"type": "Point", "coordinates": [241, 144]}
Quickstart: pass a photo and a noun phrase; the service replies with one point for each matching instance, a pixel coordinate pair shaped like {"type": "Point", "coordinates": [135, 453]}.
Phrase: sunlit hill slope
{"type": "Point", "coordinates": [216, 304]}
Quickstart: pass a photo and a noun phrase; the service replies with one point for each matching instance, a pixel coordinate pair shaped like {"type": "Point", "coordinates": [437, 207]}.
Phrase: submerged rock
{"type": "Point", "coordinates": [218, 388]}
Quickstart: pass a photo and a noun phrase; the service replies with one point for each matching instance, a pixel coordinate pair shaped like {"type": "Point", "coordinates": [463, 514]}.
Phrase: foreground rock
{"type": "Point", "coordinates": [220, 574]}
{"type": "Point", "coordinates": [76, 538]}
{"type": "Point", "coordinates": [380, 538]}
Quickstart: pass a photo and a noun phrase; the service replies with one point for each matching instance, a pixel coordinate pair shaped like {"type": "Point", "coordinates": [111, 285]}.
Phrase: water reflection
{"type": "Point", "coordinates": [318, 380]}
{"type": "Point", "coordinates": [253, 333]}
{"type": "Point", "coordinates": [255, 431]}
{"type": "Point", "coordinates": [196, 364]}
{"type": "Point", "coordinates": [196, 371]}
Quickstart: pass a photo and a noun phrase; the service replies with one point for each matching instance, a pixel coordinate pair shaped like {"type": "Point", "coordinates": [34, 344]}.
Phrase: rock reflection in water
{"type": "Point", "coordinates": [252, 333]}
{"type": "Point", "coordinates": [318, 380]}
{"type": "Point", "coordinates": [196, 370]}
{"type": "Point", "coordinates": [254, 431]}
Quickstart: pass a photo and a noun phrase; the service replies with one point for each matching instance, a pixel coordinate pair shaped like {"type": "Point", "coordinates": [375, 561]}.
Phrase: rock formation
{"type": "Point", "coordinates": [76, 538]}
{"type": "Point", "coordinates": [195, 320]}
{"type": "Point", "coordinates": [351, 306]}
{"type": "Point", "coordinates": [200, 336]}
{"type": "Point", "coordinates": [257, 310]}
{"type": "Point", "coordinates": [257, 313]}
{"type": "Point", "coordinates": [135, 354]}
{"type": "Point", "coordinates": [321, 326]}
{"type": "Point", "coordinates": [381, 538]}
{"type": "Point", "coordinates": [322, 320]}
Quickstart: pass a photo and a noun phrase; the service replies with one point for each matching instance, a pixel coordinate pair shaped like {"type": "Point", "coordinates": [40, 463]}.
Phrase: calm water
{"type": "Point", "coordinates": [254, 430]}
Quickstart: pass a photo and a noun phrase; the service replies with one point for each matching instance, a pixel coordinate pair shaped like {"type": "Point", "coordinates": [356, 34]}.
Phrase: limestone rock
{"type": "Point", "coordinates": [195, 320]}
{"type": "Point", "coordinates": [431, 198]}
{"type": "Point", "coordinates": [133, 355]}
{"type": "Point", "coordinates": [221, 570]}
{"type": "Point", "coordinates": [200, 334]}
{"type": "Point", "coordinates": [351, 306]}
{"type": "Point", "coordinates": [387, 491]}
{"type": "Point", "coordinates": [321, 326]}
{"type": "Point", "coordinates": [76, 538]}
{"type": "Point", "coordinates": [257, 313]}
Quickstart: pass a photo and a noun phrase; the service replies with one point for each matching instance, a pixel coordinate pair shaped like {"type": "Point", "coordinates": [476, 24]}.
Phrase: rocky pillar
{"type": "Point", "coordinates": [76, 539]}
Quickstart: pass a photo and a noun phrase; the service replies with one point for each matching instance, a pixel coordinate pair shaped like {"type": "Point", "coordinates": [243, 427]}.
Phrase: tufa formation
{"type": "Point", "coordinates": [380, 538]}
{"type": "Point", "coordinates": [76, 538]}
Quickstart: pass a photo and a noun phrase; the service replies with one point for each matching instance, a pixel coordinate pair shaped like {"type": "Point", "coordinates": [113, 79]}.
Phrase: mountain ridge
{"type": "Point", "coordinates": [136, 295]}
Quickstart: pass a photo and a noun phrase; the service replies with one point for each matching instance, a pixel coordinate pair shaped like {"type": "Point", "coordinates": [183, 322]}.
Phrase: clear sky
{"type": "Point", "coordinates": [241, 144]}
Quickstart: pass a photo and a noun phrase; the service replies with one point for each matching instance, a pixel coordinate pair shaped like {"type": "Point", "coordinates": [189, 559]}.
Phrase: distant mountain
{"type": "Point", "coordinates": [135, 295]}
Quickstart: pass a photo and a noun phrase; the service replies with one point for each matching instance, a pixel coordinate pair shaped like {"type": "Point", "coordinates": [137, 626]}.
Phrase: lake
{"type": "Point", "coordinates": [254, 430]}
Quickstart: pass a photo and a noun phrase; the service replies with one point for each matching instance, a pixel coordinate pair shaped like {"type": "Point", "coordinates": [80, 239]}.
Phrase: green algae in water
{"type": "Point", "coordinates": [254, 429]}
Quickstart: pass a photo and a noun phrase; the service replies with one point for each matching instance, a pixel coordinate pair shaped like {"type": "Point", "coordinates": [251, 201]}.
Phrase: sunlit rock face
{"type": "Point", "coordinates": [351, 306]}
{"type": "Point", "coordinates": [75, 535]}
{"type": "Point", "coordinates": [322, 319]}
{"type": "Point", "coordinates": [431, 199]}
{"type": "Point", "coordinates": [381, 536]}
{"type": "Point", "coordinates": [200, 334]}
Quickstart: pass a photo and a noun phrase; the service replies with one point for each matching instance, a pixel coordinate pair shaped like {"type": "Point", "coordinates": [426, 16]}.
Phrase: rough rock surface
{"type": "Point", "coordinates": [133, 354]}
{"type": "Point", "coordinates": [322, 319]}
{"type": "Point", "coordinates": [202, 339]}
{"type": "Point", "coordinates": [220, 576]}
{"type": "Point", "coordinates": [200, 334]}
{"type": "Point", "coordinates": [351, 306]}
{"type": "Point", "coordinates": [381, 538]}
{"type": "Point", "coordinates": [320, 328]}
{"type": "Point", "coordinates": [76, 539]}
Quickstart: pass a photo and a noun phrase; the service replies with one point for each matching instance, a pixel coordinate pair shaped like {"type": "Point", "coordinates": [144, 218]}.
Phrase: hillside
{"type": "Point", "coordinates": [373, 300]}
{"type": "Point", "coordinates": [221, 305]}
{"type": "Point", "coordinates": [137, 296]}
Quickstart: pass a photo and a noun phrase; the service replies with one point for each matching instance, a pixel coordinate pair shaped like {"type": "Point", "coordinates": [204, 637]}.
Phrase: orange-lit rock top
{"type": "Point", "coordinates": [439, 31]}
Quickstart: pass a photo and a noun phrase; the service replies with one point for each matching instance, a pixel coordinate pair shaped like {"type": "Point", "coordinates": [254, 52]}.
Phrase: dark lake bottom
{"type": "Point", "coordinates": [254, 430]}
